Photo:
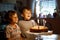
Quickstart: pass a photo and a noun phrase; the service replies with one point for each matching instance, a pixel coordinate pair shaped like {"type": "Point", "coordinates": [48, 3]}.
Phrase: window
{"type": "Point", "coordinates": [45, 8]}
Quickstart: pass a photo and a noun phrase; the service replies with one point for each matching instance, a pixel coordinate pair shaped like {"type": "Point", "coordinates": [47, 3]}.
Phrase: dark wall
{"type": "Point", "coordinates": [55, 25]}
{"type": "Point", "coordinates": [58, 5]}
{"type": "Point", "coordinates": [8, 1]}
{"type": "Point", "coordinates": [6, 6]}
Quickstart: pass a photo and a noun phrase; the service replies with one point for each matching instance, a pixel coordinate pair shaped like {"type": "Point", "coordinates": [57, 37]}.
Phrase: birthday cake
{"type": "Point", "coordinates": [38, 29]}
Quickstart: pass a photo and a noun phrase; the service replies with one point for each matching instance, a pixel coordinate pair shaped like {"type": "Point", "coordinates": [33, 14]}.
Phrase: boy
{"type": "Point", "coordinates": [26, 23]}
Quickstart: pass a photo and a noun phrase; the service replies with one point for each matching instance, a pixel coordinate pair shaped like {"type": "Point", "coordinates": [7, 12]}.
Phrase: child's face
{"type": "Point", "coordinates": [14, 18]}
{"type": "Point", "coordinates": [27, 14]}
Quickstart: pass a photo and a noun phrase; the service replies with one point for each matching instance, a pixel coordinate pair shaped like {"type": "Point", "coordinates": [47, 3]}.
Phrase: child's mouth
{"type": "Point", "coordinates": [28, 16]}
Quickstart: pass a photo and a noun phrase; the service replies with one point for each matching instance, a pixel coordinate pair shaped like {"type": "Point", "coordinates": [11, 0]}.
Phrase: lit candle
{"type": "Point", "coordinates": [44, 21]}
{"type": "Point", "coordinates": [38, 23]}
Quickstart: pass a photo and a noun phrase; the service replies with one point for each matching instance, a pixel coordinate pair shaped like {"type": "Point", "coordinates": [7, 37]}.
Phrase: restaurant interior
{"type": "Point", "coordinates": [44, 12]}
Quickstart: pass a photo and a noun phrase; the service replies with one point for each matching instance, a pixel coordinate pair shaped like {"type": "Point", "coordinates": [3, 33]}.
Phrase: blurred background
{"type": "Point", "coordinates": [42, 9]}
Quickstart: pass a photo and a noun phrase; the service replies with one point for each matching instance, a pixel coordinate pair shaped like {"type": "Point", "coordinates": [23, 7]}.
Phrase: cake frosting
{"type": "Point", "coordinates": [38, 29]}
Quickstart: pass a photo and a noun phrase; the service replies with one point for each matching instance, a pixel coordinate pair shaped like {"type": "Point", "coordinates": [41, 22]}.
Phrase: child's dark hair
{"type": "Point", "coordinates": [23, 9]}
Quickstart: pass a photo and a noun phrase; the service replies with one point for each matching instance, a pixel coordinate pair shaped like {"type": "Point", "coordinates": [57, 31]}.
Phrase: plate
{"type": "Point", "coordinates": [41, 33]}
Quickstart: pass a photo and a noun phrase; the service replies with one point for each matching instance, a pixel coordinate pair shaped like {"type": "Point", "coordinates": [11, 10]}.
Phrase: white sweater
{"type": "Point", "coordinates": [25, 26]}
